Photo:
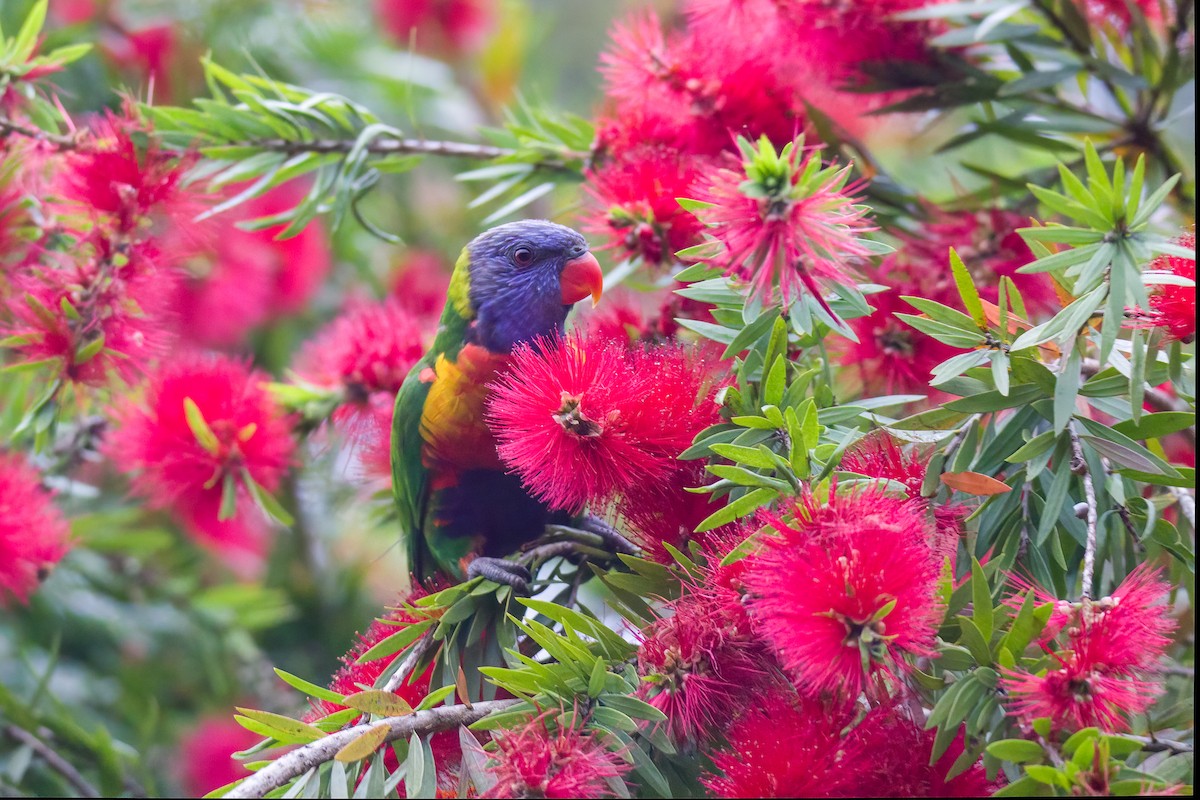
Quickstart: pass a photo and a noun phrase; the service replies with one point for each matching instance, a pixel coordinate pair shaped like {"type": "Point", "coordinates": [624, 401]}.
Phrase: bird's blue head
{"type": "Point", "coordinates": [524, 278]}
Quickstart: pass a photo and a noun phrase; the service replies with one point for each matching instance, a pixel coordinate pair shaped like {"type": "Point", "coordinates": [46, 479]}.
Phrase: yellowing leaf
{"type": "Point", "coordinates": [377, 701]}
{"type": "Point", "coordinates": [364, 745]}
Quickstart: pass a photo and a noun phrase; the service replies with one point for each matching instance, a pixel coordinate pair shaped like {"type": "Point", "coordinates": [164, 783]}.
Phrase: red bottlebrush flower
{"type": "Point", "coordinates": [1130, 630]}
{"type": "Point", "coordinates": [819, 48]}
{"type": "Point", "coordinates": [700, 659]}
{"type": "Point", "coordinates": [1077, 694]}
{"type": "Point", "coordinates": [636, 208]}
{"type": "Point", "coordinates": [33, 534]}
{"type": "Point", "coordinates": [1172, 307]}
{"type": "Point", "coordinates": [299, 263]}
{"type": "Point", "coordinates": [785, 747]}
{"type": "Point", "coordinates": [205, 429]}
{"type": "Point", "coordinates": [73, 12]}
{"type": "Point", "coordinates": [1110, 644]}
{"type": "Point", "coordinates": [847, 589]}
{"type": "Point", "coordinates": [419, 284]}
{"type": "Point", "coordinates": [369, 348]}
{"type": "Point", "coordinates": [205, 754]}
{"type": "Point", "coordinates": [785, 221]}
{"type": "Point", "coordinates": [878, 456]}
{"type": "Point", "coordinates": [365, 354]}
{"type": "Point", "coordinates": [107, 173]}
{"type": "Point", "coordinates": [896, 761]}
{"type": "Point", "coordinates": [447, 27]}
{"type": "Point", "coordinates": [1127, 631]}
{"type": "Point", "coordinates": [582, 420]}
{"type": "Point", "coordinates": [96, 317]}
{"type": "Point", "coordinates": [532, 761]}
{"type": "Point", "coordinates": [693, 90]}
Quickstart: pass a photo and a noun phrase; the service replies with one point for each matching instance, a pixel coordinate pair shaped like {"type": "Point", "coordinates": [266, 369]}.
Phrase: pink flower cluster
{"type": "Point", "coordinates": [676, 99]}
{"type": "Point", "coordinates": [33, 533]}
{"type": "Point", "coordinates": [1105, 655]}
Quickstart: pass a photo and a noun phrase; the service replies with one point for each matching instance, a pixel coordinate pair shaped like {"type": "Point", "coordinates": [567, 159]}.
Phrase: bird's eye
{"type": "Point", "coordinates": [523, 256]}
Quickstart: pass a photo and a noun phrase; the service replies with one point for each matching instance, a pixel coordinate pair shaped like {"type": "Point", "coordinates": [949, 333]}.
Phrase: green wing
{"type": "Point", "coordinates": [410, 477]}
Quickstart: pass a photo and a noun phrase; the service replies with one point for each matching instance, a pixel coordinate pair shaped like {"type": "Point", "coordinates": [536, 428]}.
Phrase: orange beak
{"type": "Point", "coordinates": [582, 277]}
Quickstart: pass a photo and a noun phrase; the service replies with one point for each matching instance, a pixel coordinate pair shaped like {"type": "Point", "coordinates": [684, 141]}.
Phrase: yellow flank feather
{"type": "Point", "coordinates": [452, 423]}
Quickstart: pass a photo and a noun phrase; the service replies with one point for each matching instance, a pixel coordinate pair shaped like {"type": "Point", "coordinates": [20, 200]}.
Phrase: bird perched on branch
{"type": "Point", "coordinates": [459, 509]}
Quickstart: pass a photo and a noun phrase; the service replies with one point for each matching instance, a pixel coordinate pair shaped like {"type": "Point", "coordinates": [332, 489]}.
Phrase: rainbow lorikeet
{"type": "Point", "coordinates": [459, 509]}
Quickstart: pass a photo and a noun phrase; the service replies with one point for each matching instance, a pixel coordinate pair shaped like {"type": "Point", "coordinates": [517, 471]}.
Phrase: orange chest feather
{"type": "Point", "coordinates": [453, 427]}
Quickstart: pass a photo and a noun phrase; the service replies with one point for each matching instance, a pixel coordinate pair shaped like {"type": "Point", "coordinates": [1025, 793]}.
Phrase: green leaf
{"type": "Point", "coordinates": [981, 598]}
{"type": "Point", "coordinates": [744, 505]}
{"type": "Point", "coordinates": [757, 457]}
{"type": "Point", "coordinates": [285, 729]}
{"type": "Point", "coordinates": [967, 290]}
{"type": "Point", "coordinates": [1126, 451]}
{"type": "Point", "coordinates": [633, 707]}
{"type": "Point", "coordinates": [752, 332]}
{"type": "Point", "coordinates": [266, 501]}
{"type": "Point", "coordinates": [420, 776]}
{"type": "Point", "coordinates": [310, 689]}
{"type": "Point", "coordinates": [1154, 426]}
{"type": "Point", "coordinates": [1066, 390]}
{"type": "Point", "coordinates": [974, 640]}
{"type": "Point", "coordinates": [396, 641]}
{"type": "Point", "coordinates": [1017, 751]}
{"type": "Point", "coordinates": [941, 313]}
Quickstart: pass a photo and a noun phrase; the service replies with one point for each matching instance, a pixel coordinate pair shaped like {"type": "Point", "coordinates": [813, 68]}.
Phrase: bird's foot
{"type": "Point", "coordinates": [500, 571]}
{"type": "Point", "coordinates": [613, 540]}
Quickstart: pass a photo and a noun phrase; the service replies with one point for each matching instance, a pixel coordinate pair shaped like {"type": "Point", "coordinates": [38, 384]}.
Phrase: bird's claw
{"type": "Point", "coordinates": [613, 540]}
{"type": "Point", "coordinates": [507, 573]}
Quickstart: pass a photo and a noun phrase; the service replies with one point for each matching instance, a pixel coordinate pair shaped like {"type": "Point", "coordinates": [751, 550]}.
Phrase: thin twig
{"type": "Point", "coordinates": [1080, 466]}
{"type": "Point", "coordinates": [8, 126]}
{"type": "Point", "coordinates": [1178, 669]}
{"type": "Point", "coordinates": [1153, 744]}
{"type": "Point", "coordinates": [53, 760]}
{"type": "Point", "coordinates": [410, 662]}
{"type": "Point", "coordinates": [301, 760]}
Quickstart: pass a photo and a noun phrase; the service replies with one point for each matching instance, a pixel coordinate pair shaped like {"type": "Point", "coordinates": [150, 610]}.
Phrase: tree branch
{"type": "Point", "coordinates": [8, 126]}
{"type": "Point", "coordinates": [1153, 744]}
{"type": "Point", "coordinates": [53, 760]}
{"type": "Point", "coordinates": [382, 146]}
{"type": "Point", "coordinates": [410, 662]}
{"type": "Point", "coordinates": [1079, 466]}
{"type": "Point", "coordinates": [301, 760]}
{"type": "Point", "coordinates": [395, 146]}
